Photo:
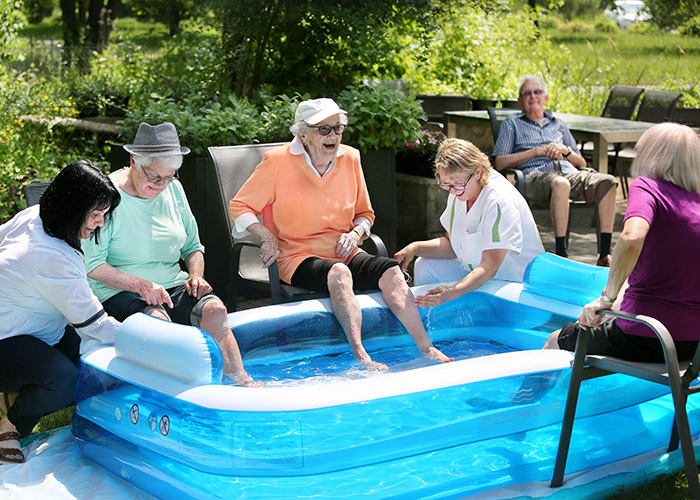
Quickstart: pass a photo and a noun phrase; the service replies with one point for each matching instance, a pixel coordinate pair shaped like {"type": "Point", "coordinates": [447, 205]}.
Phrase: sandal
{"type": "Point", "coordinates": [10, 450]}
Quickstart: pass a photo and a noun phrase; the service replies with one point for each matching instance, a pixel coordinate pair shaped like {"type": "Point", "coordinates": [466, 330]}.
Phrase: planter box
{"type": "Point", "coordinates": [435, 105]}
{"type": "Point", "coordinates": [379, 167]}
{"type": "Point", "coordinates": [422, 202]}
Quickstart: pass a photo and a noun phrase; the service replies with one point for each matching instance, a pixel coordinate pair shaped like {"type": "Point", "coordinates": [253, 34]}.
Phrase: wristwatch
{"type": "Point", "coordinates": [566, 155]}
{"type": "Point", "coordinates": [604, 297]}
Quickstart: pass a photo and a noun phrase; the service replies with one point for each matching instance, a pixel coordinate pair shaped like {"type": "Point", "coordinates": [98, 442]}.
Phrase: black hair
{"type": "Point", "coordinates": [76, 191]}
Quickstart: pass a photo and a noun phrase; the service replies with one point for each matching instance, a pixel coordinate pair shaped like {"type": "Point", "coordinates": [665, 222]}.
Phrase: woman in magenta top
{"type": "Point", "coordinates": [656, 254]}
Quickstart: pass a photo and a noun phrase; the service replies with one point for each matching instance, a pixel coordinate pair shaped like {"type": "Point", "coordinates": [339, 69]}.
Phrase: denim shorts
{"type": "Point", "coordinates": [186, 310]}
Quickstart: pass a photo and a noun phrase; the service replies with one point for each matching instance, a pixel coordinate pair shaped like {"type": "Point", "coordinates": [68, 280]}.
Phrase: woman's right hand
{"type": "Point", "coordinates": [406, 255]}
{"type": "Point", "coordinates": [153, 294]}
{"type": "Point", "coordinates": [269, 251]}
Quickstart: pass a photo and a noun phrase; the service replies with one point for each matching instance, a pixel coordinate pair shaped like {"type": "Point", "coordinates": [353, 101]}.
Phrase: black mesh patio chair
{"type": "Point", "coordinates": [33, 192]}
{"type": "Point", "coordinates": [621, 104]}
{"type": "Point", "coordinates": [676, 375]}
{"type": "Point", "coordinates": [657, 106]}
{"type": "Point", "coordinates": [518, 177]}
{"type": "Point", "coordinates": [233, 165]}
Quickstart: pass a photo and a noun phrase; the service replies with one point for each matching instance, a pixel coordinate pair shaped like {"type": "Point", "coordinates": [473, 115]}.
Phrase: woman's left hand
{"type": "Point", "coordinates": [436, 296]}
{"type": "Point", "coordinates": [347, 243]}
{"type": "Point", "coordinates": [197, 286]}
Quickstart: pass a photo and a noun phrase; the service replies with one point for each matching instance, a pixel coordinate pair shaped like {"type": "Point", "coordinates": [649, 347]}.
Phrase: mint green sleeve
{"type": "Point", "coordinates": [192, 243]}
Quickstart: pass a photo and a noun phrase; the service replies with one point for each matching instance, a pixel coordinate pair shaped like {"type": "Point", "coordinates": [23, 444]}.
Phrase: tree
{"type": "Point", "coordinates": [88, 22]}
{"type": "Point", "coordinates": [669, 14]}
{"type": "Point", "coordinates": [313, 45]}
{"type": "Point", "coordinates": [169, 12]}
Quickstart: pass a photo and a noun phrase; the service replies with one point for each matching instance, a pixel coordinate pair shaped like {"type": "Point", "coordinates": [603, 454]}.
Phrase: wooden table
{"type": "Point", "coordinates": [598, 130]}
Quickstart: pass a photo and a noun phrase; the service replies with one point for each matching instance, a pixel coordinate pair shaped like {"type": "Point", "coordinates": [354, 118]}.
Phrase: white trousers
{"type": "Point", "coordinates": [427, 270]}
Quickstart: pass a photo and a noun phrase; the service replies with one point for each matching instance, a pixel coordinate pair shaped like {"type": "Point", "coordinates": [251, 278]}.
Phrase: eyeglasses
{"type": "Point", "coordinates": [528, 93]}
{"type": "Point", "coordinates": [326, 129]}
{"type": "Point", "coordinates": [458, 188]}
{"type": "Point", "coordinates": [159, 180]}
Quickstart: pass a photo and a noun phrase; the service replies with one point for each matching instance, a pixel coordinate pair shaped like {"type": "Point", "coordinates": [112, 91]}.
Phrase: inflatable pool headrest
{"type": "Point", "coordinates": [181, 352]}
{"type": "Point", "coordinates": [555, 277]}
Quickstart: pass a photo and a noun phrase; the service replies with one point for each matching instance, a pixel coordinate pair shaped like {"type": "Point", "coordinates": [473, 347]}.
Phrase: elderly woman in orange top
{"type": "Point", "coordinates": [316, 210]}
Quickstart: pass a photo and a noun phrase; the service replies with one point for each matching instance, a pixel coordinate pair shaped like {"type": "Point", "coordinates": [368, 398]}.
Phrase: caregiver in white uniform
{"type": "Point", "coordinates": [490, 229]}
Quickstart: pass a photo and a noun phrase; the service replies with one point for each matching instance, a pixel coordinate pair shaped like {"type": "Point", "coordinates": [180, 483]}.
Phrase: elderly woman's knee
{"type": "Point", "coordinates": [393, 279]}
{"type": "Point", "coordinates": [339, 276]}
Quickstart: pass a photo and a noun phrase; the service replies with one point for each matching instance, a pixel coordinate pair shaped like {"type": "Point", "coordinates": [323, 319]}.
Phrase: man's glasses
{"type": "Point", "coordinates": [326, 129]}
{"type": "Point", "coordinates": [528, 93]}
{"type": "Point", "coordinates": [458, 188]}
{"type": "Point", "coordinates": [159, 180]}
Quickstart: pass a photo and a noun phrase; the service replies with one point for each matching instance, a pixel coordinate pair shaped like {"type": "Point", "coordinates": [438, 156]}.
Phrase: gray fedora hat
{"type": "Point", "coordinates": [158, 140]}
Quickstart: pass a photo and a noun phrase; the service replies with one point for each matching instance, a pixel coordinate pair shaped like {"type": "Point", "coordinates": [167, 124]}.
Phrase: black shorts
{"type": "Point", "coordinates": [366, 270]}
{"type": "Point", "coordinates": [186, 310]}
{"type": "Point", "coordinates": [608, 339]}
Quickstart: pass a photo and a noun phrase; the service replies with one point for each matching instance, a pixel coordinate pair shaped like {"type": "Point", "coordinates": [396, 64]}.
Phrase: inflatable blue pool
{"type": "Point", "coordinates": [153, 408]}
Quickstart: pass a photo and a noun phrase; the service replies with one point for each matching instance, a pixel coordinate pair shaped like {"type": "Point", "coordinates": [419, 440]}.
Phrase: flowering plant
{"type": "Point", "coordinates": [426, 144]}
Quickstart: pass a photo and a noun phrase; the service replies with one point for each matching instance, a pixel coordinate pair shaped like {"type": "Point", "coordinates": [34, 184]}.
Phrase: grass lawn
{"type": "Point", "coordinates": [659, 60]}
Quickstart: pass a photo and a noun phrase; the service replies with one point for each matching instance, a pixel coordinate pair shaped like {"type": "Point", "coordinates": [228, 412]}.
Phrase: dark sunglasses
{"type": "Point", "coordinates": [528, 93]}
{"type": "Point", "coordinates": [326, 129]}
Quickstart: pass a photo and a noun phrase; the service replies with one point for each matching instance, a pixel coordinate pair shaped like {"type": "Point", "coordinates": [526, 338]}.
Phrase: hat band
{"type": "Point", "coordinates": [153, 148]}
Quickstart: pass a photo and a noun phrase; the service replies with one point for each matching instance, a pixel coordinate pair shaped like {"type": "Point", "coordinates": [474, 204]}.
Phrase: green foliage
{"type": "Point", "coordinates": [669, 14]}
{"type": "Point", "coordinates": [306, 45]}
{"type": "Point", "coordinates": [277, 116]}
{"type": "Point", "coordinates": [379, 117]}
{"type": "Point", "coordinates": [29, 149]}
{"type": "Point", "coordinates": [691, 27]}
{"type": "Point", "coordinates": [603, 25]}
{"type": "Point", "coordinates": [36, 10]}
{"type": "Point", "coordinates": [11, 21]}
{"type": "Point", "coordinates": [199, 123]}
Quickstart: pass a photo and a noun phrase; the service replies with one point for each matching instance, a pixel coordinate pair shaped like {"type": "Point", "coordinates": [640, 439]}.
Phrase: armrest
{"type": "Point", "coordinates": [519, 178]}
{"type": "Point", "coordinates": [667, 345]}
{"type": "Point", "coordinates": [234, 267]}
{"type": "Point", "coordinates": [379, 246]}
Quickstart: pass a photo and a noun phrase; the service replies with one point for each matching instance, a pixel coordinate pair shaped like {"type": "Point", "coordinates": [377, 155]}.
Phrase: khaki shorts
{"type": "Point", "coordinates": [586, 186]}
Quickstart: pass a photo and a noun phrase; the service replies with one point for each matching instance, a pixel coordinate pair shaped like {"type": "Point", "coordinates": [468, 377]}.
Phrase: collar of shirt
{"type": "Point", "coordinates": [297, 148]}
{"type": "Point", "coordinates": [547, 114]}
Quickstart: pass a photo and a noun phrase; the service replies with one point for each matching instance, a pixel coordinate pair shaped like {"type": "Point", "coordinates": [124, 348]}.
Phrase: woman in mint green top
{"type": "Point", "coordinates": [136, 265]}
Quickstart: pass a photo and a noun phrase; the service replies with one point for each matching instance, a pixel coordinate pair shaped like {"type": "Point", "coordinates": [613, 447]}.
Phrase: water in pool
{"type": "Point", "coordinates": [271, 365]}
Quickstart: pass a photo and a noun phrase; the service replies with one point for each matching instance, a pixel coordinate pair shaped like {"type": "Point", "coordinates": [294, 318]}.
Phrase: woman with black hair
{"type": "Point", "coordinates": [48, 313]}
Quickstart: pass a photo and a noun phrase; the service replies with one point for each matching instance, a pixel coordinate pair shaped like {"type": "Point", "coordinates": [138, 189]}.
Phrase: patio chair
{"type": "Point", "coordinates": [33, 192]}
{"type": "Point", "coordinates": [233, 165]}
{"type": "Point", "coordinates": [677, 376]}
{"type": "Point", "coordinates": [657, 106]}
{"type": "Point", "coordinates": [496, 118]}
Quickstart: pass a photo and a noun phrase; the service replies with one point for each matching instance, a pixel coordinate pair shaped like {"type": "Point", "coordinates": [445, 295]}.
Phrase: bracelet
{"type": "Point", "coordinates": [604, 297]}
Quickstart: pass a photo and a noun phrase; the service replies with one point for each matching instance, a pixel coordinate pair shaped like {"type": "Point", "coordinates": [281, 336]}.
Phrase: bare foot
{"type": "Point", "coordinates": [373, 366]}
{"type": "Point", "coordinates": [245, 380]}
{"type": "Point", "coordinates": [436, 355]}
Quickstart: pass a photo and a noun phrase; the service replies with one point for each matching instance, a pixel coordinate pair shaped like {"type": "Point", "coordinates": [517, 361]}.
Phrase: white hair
{"type": "Point", "coordinates": [171, 161]}
{"type": "Point", "coordinates": [531, 78]}
{"type": "Point", "coordinates": [669, 151]}
{"type": "Point", "coordinates": [301, 127]}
